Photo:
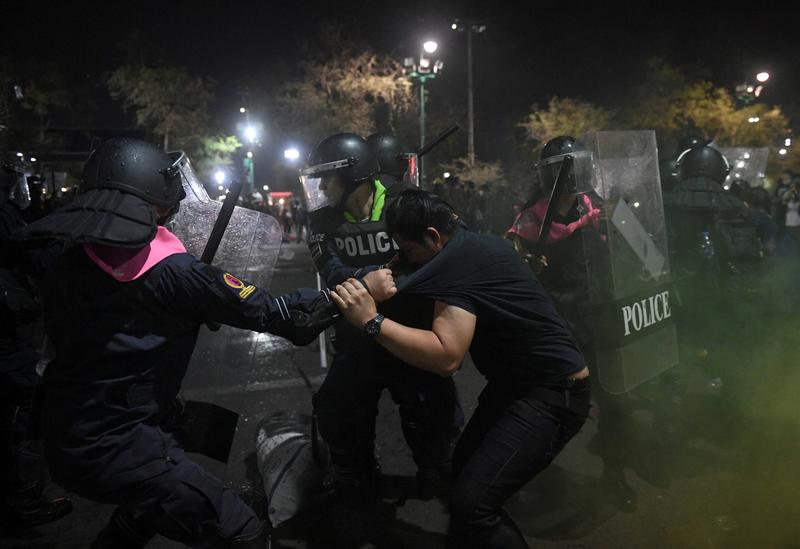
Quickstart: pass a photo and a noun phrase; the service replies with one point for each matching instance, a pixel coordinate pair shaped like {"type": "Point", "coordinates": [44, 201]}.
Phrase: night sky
{"type": "Point", "coordinates": [592, 50]}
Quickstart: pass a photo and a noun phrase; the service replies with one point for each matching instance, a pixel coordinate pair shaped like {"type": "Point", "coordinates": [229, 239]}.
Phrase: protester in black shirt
{"type": "Point", "coordinates": [488, 302]}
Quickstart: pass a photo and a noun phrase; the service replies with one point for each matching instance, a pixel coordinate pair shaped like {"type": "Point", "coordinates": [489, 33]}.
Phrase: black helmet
{"type": "Point", "coordinates": [348, 154]}
{"type": "Point", "coordinates": [122, 180]}
{"type": "Point", "coordinates": [703, 162]}
{"type": "Point", "coordinates": [390, 154]}
{"type": "Point", "coordinates": [562, 144]}
{"type": "Point", "coordinates": [135, 167]}
{"type": "Point", "coordinates": [691, 141]}
{"type": "Point", "coordinates": [552, 158]}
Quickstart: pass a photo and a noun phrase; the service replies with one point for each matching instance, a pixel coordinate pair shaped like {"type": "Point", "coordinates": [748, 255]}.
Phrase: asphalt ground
{"type": "Point", "coordinates": [707, 469]}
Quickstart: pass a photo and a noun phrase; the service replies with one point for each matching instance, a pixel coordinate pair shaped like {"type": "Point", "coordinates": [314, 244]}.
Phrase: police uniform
{"type": "Point", "coordinates": [122, 349]}
{"type": "Point", "coordinates": [346, 404]}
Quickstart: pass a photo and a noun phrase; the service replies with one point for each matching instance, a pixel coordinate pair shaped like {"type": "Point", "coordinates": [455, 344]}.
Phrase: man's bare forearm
{"type": "Point", "coordinates": [420, 348]}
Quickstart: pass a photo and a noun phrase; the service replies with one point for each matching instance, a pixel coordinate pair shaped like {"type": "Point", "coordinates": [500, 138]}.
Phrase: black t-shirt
{"type": "Point", "coordinates": [520, 339]}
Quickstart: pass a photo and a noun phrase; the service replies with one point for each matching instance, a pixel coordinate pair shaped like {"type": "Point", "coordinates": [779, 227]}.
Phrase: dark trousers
{"type": "Point", "coordinates": [16, 397]}
{"type": "Point", "coordinates": [185, 504]}
{"type": "Point", "coordinates": [346, 406]}
{"type": "Point", "coordinates": [508, 441]}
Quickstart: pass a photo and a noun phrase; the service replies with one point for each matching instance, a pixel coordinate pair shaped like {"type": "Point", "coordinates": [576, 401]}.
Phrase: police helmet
{"type": "Point", "coordinates": [391, 157]}
{"type": "Point", "coordinates": [134, 167]}
{"type": "Point", "coordinates": [691, 141]}
{"type": "Point", "coordinates": [348, 155]}
{"type": "Point", "coordinates": [703, 162]}
{"type": "Point", "coordinates": [552, 159]}
{"type": "Point", "coordinates": [122, 181]}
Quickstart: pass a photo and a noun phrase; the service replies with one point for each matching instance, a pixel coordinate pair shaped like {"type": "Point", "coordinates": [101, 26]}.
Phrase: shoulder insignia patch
{"type": "Point", "coordinates": [232, 281]}
{"type": "Point", "coordinates": [236, 284]}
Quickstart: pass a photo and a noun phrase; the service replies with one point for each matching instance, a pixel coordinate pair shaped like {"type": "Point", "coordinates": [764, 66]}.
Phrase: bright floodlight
{"type": "Point", "coordinates": [430, 46]}
{"type": "Point", "coordinates": [762, 76]}
{"type": "Point", "coordinates": [446, 174]}
{"type": "Point", "coordinates": [242, 110]}
{"type": "Point", "coordinates": [250, 133]}
{"type": "Point", "coordinates": [291, 154]}
{"type": "Point", "coordinates": [782, 151]}
{"type": "Point", "coordinates": [454, 26]}
{"type": "Point", "coordinates": [219, 175]}
{"type": "Point", "coordinates": [787, 142]}
{"type": "Point", "coordinates": [20, 155]}
{"type": "Point", "coordinates": [33, 159]}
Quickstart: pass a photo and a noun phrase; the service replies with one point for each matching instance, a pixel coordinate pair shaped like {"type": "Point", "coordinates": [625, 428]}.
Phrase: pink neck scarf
{"type": "Point", "coordinates": [529, 222]}
{"type": "Point", "coordinates": [127, 264]}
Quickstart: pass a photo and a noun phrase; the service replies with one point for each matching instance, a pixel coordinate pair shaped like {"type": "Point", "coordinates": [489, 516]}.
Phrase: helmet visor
{"type": "Point", "coordinates": [579, 177]}
{"type": "Point", "coordinates": [193, 188]}
{"type": "Point", "coordinates": [320, 184]}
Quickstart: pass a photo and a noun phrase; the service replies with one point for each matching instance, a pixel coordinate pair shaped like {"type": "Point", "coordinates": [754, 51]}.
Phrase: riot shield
{"type": "Point", "coordinates": [628, 265]}
{"type": "Point", "coordinates": [227, 362]}
{"type": "Point", "coordinates": [250, 244]}
{"type": "Point", "coordinates": [747, 163]}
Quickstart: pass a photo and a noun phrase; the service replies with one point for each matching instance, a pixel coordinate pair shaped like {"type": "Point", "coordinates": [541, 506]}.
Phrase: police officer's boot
{"type": "Point", "coordinates": [28, 508]}
{"type": "Point", "coordinates": [260, 539]}
{"type": "Point", "coordinates": [122, 532]}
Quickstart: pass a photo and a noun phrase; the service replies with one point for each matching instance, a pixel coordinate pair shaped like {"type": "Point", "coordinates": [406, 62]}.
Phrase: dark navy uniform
{"type": "Point", "coordinates": [122, 349]}
{"type": "Point", "coordinates": [346, 404]}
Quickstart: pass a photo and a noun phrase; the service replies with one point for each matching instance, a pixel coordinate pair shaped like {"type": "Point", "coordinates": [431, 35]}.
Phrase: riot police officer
{"type": "Point", "coordinates": [122, 307]}
{"type": "Point", "coordinates": [22, 503]}
{"type": "Point", "coordinates": [574, 234]}
{"type": "Point", "coordinates": [347, 198]}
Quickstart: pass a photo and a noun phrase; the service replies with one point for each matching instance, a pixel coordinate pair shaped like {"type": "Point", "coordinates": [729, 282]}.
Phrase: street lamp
{"type": "Point", "coordinates": [250, 130]}
{"type": "Point", "coordinates": [291, 154]}
{"type": "Point", "coordinates": [469, 28]}
{"type": "Point", "coordinates": [423, 68]}
{"type": "Point", "coordinates": [219, 176]}
{"type": "Point", "coordinates": [746, 92]}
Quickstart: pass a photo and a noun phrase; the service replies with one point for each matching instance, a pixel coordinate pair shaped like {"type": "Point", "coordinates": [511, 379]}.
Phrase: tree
{"type": "Point", "coordinates": [483, 174]}
{"type": "Point", "coordinates": [168, 101]}
{"type": "Point", "coordinates": [673, 105]}
{"type": "Point", "coordinates": [215, 151]}
{"type": "Point", "coordinates": [564, 117]}
{"type": "Point", "coordinates": [349, 92]}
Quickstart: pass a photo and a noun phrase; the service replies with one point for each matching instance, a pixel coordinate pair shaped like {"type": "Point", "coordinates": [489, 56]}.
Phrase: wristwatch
{"type": "Point", "coordinates": [373, 327]}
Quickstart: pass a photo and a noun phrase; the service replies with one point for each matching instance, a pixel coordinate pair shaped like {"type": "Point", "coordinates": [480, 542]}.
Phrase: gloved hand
{"type": "Point", "coordinates": [305, 313]}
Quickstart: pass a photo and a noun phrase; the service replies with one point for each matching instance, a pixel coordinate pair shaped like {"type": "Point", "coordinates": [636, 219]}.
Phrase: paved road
{"type": "Point", "coordinates": [717, 482]}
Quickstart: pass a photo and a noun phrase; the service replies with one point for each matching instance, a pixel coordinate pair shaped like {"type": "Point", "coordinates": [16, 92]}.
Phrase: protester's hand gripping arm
{"type": "Point", "coordinates": [440, 350]}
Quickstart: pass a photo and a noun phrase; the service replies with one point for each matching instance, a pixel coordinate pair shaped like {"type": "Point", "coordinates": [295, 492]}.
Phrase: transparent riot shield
{"type": "Point", "coordinates": [228, 363]}
{"type": "Point", "coordinates": [747, 163]}
{"type": "Point", "coordinates": [627, 264]}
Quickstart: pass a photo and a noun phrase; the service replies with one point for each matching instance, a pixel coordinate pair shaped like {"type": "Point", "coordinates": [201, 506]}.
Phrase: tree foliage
{"type": "Point", "coordinates": [564, 116]}
{"type": "Point", "coordinates": [346, 93]}
{"type": "Point", "coordinates": [483, 174]}
{"type": "Point", "coordinates": [674, 105]}
{"type": "Point", "coordinates": [214, 151]}
{"type": "Point", "coordinates": [168, 101]}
